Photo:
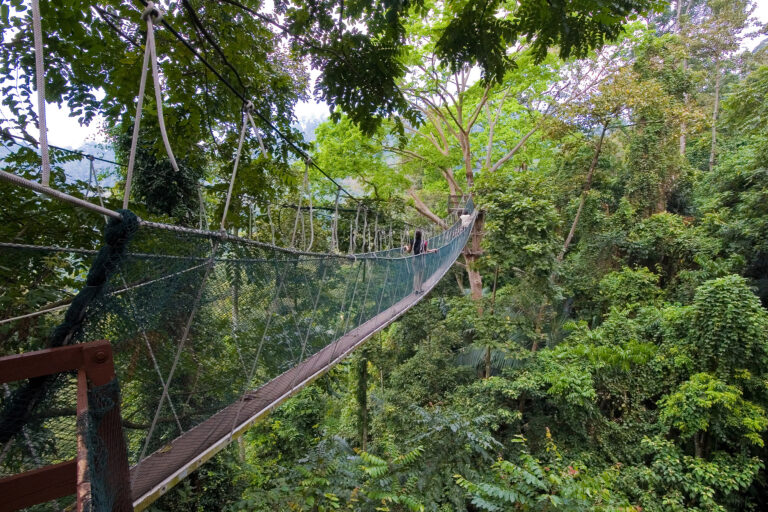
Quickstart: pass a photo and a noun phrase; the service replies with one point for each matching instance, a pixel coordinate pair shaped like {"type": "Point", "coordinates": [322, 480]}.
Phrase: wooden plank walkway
{"type": "Point", "coordinates": [154, 475]}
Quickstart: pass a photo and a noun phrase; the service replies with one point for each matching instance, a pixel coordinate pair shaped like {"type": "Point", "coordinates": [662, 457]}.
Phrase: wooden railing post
{"type": "Point", "coordinates": [95, 377]}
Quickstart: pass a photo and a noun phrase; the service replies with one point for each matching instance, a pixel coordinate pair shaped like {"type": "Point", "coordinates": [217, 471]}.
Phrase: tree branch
{"type": "Point", "coordinates": [517, 147]}
{"type": "Point", "coordinates": [584, 193]}
{"type": "Point", "coordinates": [453, 186]}
{"type": "Point", "coordinates": [424, 210]}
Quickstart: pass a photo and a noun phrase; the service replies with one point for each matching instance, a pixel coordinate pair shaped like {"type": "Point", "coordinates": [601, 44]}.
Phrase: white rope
{"type": "Point", "coordinates": [234, 171]}
{"type": "Point", "coordinates": [40, 78]}
{"type": "Point", "coordinates": [365, 234]}
{"type": "Point", "coordinates": [201, 201]}
{"type": "Point", "coordinates": [335, 227]}
{"type": "Point", "coordinates": [309, 195]}
{"type": "Point", "coordinates": [376, 243]}
{"type": "Point", "coordinates": [151, 15]}
{"type": "Point", "coordinates": [353, 233]}
{"type": "Point", "coordinates": [250, 220]}
{"type": "Point", "coordinates": [136, 124]}
{"type": "Point", "coordinates": [31, 185]}
{"type": "Point", "coordinates": [255, 129]}
{"type": "Point", "coordinates": [271, 224]}
{"type": "Point", "coordinates": [296, 223]}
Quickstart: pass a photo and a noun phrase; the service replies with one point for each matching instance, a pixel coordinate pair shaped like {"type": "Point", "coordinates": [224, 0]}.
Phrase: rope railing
{"type": "Point", "coordinates": [176, 327]}
{"type": "Point", "coordinates": [172, 293]}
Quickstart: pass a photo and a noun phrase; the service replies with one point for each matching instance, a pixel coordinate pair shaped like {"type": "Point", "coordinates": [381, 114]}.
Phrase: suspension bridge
{"type": "Point", "coordinates": [179, 339]}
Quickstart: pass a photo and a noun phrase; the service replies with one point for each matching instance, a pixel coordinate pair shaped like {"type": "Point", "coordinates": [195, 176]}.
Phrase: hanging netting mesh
{"type": "Point", "coordinates": [209, 332]}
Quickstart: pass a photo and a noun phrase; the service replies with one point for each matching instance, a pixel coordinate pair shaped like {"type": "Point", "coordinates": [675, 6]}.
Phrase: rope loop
{"type": "Point", "coordinates": [152, 12]}
{"type": "Point", "coordinates": [249, 107]}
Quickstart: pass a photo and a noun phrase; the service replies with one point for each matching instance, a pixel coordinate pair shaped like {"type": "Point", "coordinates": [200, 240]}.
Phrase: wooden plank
{"type": "Point", "coordinates": [38, 486]}
{"type": "Point", "coordinates": [39, 363]}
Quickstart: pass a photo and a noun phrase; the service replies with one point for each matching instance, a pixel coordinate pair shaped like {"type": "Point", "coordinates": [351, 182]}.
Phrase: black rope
{"type": "Point", "coordinates": [117, 234]}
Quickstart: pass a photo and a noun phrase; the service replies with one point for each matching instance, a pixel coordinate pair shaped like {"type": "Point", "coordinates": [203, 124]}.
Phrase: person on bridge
{"type": "Point", "coordinates": [466, 218]}
{"type": "Point", "coordinates": [419, 249]}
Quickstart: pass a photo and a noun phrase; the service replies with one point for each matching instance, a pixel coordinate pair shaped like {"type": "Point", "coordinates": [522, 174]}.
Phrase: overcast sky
{"type": "Point", "coordinates": [66, 131]}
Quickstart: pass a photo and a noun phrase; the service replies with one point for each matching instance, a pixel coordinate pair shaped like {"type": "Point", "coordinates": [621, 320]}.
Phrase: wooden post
{"type": "Point", "coordinates": [83, 481]}
{"type": "Point", "coordinates": [95, 367]}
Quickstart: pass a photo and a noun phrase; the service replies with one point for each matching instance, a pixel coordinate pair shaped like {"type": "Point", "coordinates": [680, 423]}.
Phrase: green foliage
{"type": "Point", "coordinates": [729, 328]}
{"type": "Point", "coordinates": [642, 348]}
{"type": "Point", "coordinates": [630, 288]}
{"type": "Point", "coordinates": [675, 481]}
{"type": "Point", "coordinates": [522, 222]}
{"type": "Point", "coordinates": [529, 483]}
{"type": "Point", "coordinates": [706, 404]}
{"type": "Point", "coordinates": [362, 68]}
{"type": "Point", "coordinates": [481, 32]}
{"type": "Point", "coordinates": [347, 153]}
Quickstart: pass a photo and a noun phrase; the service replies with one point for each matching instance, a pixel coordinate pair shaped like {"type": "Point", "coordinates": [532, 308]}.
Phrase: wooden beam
{"type": "Point", "coordinates": [38, 486]}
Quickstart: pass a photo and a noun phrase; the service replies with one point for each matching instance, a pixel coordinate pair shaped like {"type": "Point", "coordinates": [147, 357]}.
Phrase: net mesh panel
{"type": "Point", "coordinates": [197, 322]}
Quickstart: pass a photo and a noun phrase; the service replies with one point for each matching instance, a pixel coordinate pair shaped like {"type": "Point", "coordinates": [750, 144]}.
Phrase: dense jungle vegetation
{"type": "Point", "coordinates": [603, 342]}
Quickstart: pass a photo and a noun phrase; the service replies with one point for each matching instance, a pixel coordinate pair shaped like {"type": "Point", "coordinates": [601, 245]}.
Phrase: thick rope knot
{"type": "Point", "coordinates": [119, 231]}
{"type": "Point", "coordinates": [117, 235]}
{"type": "Point", "coordinates": [249, 107]}
{"type": "Point", "coordinates": [152, 12]}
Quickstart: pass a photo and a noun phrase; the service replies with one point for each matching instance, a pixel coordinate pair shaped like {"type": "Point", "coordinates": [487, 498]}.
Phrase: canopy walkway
{"type": "Point", "coordinates": [205, 331]}
{"type": "Point", "coordinates": [210, 332]}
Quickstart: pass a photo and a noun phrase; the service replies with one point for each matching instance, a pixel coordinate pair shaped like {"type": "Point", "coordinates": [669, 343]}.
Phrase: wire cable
{"type": "Point", "coordinates": [9, 137]}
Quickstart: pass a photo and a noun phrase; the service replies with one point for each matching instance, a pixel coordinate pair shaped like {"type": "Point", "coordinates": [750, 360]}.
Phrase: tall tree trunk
{"type": "Point", "coordinates": [698, 446]}
{"type": "Point", "coordinates": [678, 30]}
{"type": "Point", "coordinates": [471, 255]}
{"type": "Point", "coordinates": [362, 401]}
{"type": "Point", "coordinates": [684, 124]}
{"type": "Point", "coordinates": [475, 279]}
{"type": "Point", "coordinates": [584, 193]}
{"type": "Point", "coordinates": [466, 153]}
{"type": "Point", "coordinates": [715, 113]}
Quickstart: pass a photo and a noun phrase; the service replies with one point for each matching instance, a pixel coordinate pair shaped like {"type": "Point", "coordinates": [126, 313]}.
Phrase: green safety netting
{"type": "Point", "coordinates": [209, 331]}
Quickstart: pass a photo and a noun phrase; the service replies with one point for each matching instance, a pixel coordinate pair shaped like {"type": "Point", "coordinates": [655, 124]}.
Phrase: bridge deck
{"type": "Point", "coordinates": [154, 475]}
